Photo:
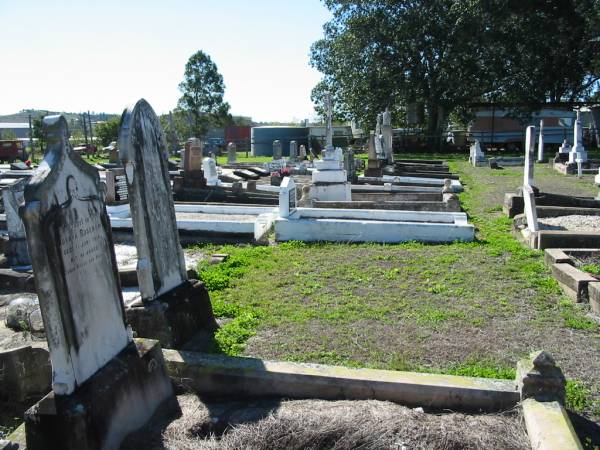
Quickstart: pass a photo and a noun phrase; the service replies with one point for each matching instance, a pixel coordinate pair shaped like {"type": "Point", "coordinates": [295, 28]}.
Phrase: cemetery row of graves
{"type": "Point", "coordinates": [145, 301]}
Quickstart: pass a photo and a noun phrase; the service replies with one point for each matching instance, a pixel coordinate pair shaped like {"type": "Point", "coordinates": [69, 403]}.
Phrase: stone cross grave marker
{"type": "Point", "coordinates": [192, 156]}
{"type": "Point", "coordinates": [577, 151]}
{"type": "Point", "coordinates": [143, 151]}
{"type": "Point", "coordinates": [73, 258]}
{"type": "Point", "coordinates": [287, 197]}
{"type": "Point", "coordinates": [528, 192]}
{"type": "Point", "coordinates": [231, 153]}
{"type": "Point", "coordinates": [16, 251]}
{"type": "Point", "coordinates": [293, 150]}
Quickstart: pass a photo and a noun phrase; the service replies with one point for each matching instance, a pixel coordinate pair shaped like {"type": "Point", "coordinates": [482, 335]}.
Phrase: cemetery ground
{"type": "Point", "coordinates": [465, 308]}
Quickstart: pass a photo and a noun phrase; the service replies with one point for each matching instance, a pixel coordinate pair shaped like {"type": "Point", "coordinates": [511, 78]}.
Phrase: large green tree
{"type": "Point", "coordinates": [447, 53]}
{"type": "Point", "coordinates": [108, 131]}
{"type": "Point", "coordinates": [202, 92]}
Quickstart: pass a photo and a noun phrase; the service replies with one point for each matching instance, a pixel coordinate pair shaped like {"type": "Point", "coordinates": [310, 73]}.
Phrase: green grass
{"type": "Point", "coordinates": [411, 306]}
{"type": "Point", "coordinates": [594, 269]}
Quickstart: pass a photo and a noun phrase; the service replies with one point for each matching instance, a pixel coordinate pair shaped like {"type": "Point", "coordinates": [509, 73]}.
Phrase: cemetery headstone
{"type": "Point", "coordinates": [541, 142]}
{"type": "Point", "coordinates": [302, 152]}
{"type": "Point", "coordinates": [387, 134]}
{"type": "Point", "coordinates": [143, 151]}
{"type": "Point", "coordinates": [277, 150]}
{"type": "Point", "coordinates": [293, 151]}
{"type": "Point", "coordinates": [16, 251]}
{"type": "Point", "coordinates": [231, 153]}
{"type": "Point", "coordinates": [104, 385]}
{"type": "Point", "coordinates": [528, 191]}
{"type": "Point", "coordinates": [476, 156]}
{"type": "Point", "coordinates": [116, 186]}
{"type": "Point", "coordinates": [287, 197]}
{"type": "Point", "coordinates": [76, 275]}
{"type": "Point", "coordinates": [209, 166]}
{"type": "Point", "coordinates": [577, 151]}
{"type": "Point", "coordinates": [565, 147]}
{"type": "Point", "coordinates": [192, 156]}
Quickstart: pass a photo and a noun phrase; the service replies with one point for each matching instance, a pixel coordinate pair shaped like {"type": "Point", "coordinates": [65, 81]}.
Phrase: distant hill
{"type": "Point", "coordinates": [23, 116]}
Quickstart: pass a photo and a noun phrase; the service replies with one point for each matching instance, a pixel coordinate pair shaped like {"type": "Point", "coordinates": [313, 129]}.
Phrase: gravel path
{"type": "Point", "coordinates": [584, 224]}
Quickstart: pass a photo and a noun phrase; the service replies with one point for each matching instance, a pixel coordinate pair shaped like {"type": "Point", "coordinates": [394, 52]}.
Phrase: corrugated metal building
{"type": "Point", "coordinates": [21, 130]}
{"type": "Point", "coordinates": [262, 139]}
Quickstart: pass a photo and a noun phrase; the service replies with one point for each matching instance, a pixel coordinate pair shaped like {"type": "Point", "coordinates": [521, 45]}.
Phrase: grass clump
{"type": "Point", "coordinates": [594, 269]}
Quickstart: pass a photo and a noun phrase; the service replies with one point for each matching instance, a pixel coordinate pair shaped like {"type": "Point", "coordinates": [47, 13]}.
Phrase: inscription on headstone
{"type": "Point", "coordinates": [116, 186]}
{"type": "Point", "coordinates": [293, 150]}
{"type": "Point", "coordinates": [142, 144]}
{"type": "Point", "coordinates": [72, 254]}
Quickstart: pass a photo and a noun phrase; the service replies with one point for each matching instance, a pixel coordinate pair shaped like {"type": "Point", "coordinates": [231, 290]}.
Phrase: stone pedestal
{"type": "Point", "coordinates": [118, 399]}
{"type": "Point", "coordinates": [174, 317]}
{"type": "Point", "coordinates": [330, 180]}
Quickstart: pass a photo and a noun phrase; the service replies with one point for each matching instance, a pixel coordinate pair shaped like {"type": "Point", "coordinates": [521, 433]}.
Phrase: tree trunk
{"type": "Point", "coordinates": [433, 126]}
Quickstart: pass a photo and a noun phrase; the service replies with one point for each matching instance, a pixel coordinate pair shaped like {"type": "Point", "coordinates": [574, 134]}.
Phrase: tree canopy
{"type": "Point", "coordinates": [202, 92]}
{"type": "Point", "coordinates": [447, 53]}
{"type": "Point", "coordinates": [108, 131]}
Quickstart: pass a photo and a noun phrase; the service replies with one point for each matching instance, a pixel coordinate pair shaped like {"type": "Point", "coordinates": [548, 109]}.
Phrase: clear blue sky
{"type": "Point", "coordinates": [102, 55]}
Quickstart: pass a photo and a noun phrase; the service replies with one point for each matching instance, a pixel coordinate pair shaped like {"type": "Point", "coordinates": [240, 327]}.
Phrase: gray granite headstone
{"type": "Point", "coordinates": [231, 153]}
{"type": "Point", "coordinates": [277, 150]}
{"type": "Point", "coordinates": [293, 150]}
{"type": "Point", "coordinates": [143, 151]}
{"type": "Point", "coordinates": [73, 258]}
{"type": "Point", "coordinates": [16, 252]}
{"type": "Point", "coordinates": [302, 152]}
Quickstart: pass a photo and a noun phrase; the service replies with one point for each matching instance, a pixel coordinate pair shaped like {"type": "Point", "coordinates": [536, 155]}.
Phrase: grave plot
{"type": "Point", "coordinates": [578, 273]}
{"type": "Point", "coordinates": [552, 226]}
{"type": "Point", "coordinates": [573, 159]}
{"type": "Point", "coordinates": [365, 225]}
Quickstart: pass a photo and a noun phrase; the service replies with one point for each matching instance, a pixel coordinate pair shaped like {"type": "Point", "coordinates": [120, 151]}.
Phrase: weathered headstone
{"type": "Point", "coordinates": [528, 191]}
{"type": "Point", "coordinates": [173, 308]}
{"type": "Point", "coordinates": [476, 155]}
{"type": "Point", "coordinates": [231, 153]}
{"type": "Point", "coordinates": [116, 186]}
{"type": "Point", "coordinates": [192, 155]}
{"type": "Point", "coordinates": [70, 242]}
{"type": "Point", "coordinates": [143, 151]}
{"type": "Point", "coordinates": [387, 136]}
{"type": "Point", "coordinates": [209, 167]}
{"type": "Point", "coordinates": [541, 143]}
{"type": "Point", "coordinates": [277, 150]}
{"type": "Point", "coordinates": [104, 385]}
{"type": "Point", "coordinates": [302, 152]}
{"type": "Point", "coordinates": [16, 251]}
{"type": "Point", "coordinates": [287, 197]}
{"type": "Point", "coordinates": [293, 150]}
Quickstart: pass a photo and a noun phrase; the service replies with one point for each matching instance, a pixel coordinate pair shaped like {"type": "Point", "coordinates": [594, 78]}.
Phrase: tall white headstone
{"type": "Point", "coordinates": [302, 152]}
{"type": "Point", "coordinates": [529, 146]}
{"type": "Point", "coordinates": [541, 142]}
{"type": "Point", "coordinates": [143, 152]}
{"type": "Point", "coordinates": [564, 148]}
{"type": "Point", "coordinates": [578, 151]}
{"type": "Point", "coordinates": [528, 183]}
{"type": "Point", "coordinates": [70, 242]}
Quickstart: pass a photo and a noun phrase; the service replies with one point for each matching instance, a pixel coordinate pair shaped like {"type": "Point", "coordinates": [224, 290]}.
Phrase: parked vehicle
{"type": "Point", "coordinates": [11, 150]}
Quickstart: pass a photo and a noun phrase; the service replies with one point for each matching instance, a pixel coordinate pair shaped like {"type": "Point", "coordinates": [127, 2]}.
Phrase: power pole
{"type": "Point", "coordinates": [83, 122]}
{"type": "Point", "coordinates": [91, 132]}
{"type": "Point", "coordinates": [31, 138]}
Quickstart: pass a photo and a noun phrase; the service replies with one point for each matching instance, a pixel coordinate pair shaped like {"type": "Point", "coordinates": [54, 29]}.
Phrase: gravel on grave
{"type": "Point", "coordinates": [584, 224]}
{"type": "Point", "coordinates": [316, 424]}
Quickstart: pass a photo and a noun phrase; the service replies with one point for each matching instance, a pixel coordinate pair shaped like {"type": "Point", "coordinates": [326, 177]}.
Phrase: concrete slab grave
{"type": "Point", "coordinates": [69, 236]}
{"type": "Point", "coordinates": [173, 307]}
